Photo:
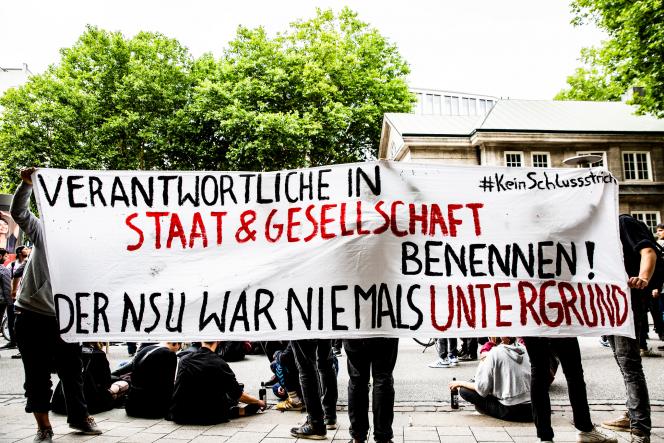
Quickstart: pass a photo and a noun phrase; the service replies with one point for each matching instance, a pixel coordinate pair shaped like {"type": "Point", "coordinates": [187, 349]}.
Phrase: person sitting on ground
{"type": "Point", "coordinates": [288, 378]}
{"type": "Point", "coordinates": [150, 375]}
{"type": "Point", "coordinates": [206, 391]}
{"type": "Point", "coordinates": [502, 383]}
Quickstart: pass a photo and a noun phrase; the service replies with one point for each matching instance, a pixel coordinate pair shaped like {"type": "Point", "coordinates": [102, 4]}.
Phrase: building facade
{"type": "Point", "coordinates": [524, 133]}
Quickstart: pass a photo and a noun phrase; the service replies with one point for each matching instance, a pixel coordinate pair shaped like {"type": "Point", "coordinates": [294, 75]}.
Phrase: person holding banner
{"type": "Point", "coordinates": [567, 350]}
{"type": "Point", "coordinates": [38, 335]}
{"type": "Point", "coordinates": [640, 254]}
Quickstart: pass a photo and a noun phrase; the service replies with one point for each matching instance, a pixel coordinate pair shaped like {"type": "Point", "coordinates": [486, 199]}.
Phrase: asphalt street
{"type": "Point", "coordinates": [414, 381]}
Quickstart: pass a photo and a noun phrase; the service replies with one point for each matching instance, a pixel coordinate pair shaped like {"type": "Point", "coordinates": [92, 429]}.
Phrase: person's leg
{"type": "Point", "coordinates": [626, 353]}
{"type": "Point", "coordinates": [305, 357]}
{"type": "Point", "coordinates": [539, 353]}
{"type": "Point", "coordinates": [328, 380]}
{"type": "Point", "coordinates": [35, 340]}
{"type": "Point", "coordinates": [472, 347]}
{"type": "Point", "coordinates": [452, 350]}
{"type": "Point", "coordinates": [488, 405]}
{"type": "Point", "coordinates": [441, 347]}
{"type": "Point", "coordinates": [383, 359]}
{"type": "Point", "coordinates": [358, 387]}
{"type": "Point", "coordinates": [658, 322]}
{"type": "Point", "coordinates": [69, 368]}
{"type": "Point", "coordinates": [10, 323]}
{"type": "Point", "coordinates": [567, 350]}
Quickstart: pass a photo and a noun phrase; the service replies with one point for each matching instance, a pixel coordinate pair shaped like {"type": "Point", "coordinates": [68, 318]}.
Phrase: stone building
{"type": "Point", "coordinates": [534, 133]}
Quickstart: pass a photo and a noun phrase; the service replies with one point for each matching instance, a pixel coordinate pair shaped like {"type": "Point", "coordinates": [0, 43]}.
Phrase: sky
{"type": "Point", "coordinates": [509, 48]}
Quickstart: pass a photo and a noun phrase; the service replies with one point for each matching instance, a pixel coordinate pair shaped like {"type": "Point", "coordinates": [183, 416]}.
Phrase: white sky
{"type": "Point", "coordinates": [507, 48]}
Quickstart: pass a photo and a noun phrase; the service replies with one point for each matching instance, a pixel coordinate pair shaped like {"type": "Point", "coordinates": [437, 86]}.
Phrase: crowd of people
{"type": "Point", "coordinates": [197, 386]}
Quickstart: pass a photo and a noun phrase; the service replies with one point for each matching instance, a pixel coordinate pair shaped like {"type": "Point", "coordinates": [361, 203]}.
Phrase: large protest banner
{"type": "Point", "coordinates": [357, 250]}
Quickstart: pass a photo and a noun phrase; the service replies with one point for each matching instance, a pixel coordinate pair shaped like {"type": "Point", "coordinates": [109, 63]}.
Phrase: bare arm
{"type": "Point", "coordinates": [462, 384]}
{"type": "Point", "coordinates": [646, 269]}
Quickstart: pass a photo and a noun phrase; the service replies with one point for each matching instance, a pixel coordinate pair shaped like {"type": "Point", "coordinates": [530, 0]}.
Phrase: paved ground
{"type": "Point", "coordinates": [422, 413]}
{"type": "Point", "coordinates": [414, 422]}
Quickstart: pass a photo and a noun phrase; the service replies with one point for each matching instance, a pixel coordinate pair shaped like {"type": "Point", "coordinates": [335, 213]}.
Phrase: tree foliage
{"type": "Point", "coordinates": [632, 56]}
{"type": "Point", "coordinates": [312, 95]}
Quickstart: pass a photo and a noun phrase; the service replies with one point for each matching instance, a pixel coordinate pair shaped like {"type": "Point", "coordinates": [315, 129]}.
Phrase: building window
{"type": "Point", "coordinates": [447, 105]}
{"type": "Point", "coordinates": [513, 159]}
{"type": "Point", "coordinates": [636, 165]}
{"type": "Point", "coordinates": [473, 107]}
{"type": "Point", "coordinates": [482, 107]}
{"type": "Point", "coordinates": [436, 104]}
{"type": "Point", "coordinates": [464, 106]}
{"type": "Point", "coordinates": [428, 104]}
{"type": "Point", "coordinates": [540, 160]}
{"type": "Point", "coordinates": [650, 218]}
{"type": "Point", "coordinates": [602, 154]}
{"type": "Point", "coordinates": [455, 105]}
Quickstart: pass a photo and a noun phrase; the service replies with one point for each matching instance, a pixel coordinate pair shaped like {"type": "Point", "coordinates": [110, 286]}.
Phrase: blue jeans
{"type": "Point", "coordinates": [626, 353]}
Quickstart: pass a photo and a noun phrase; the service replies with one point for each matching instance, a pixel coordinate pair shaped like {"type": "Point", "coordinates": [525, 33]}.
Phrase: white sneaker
{"type": "Point", "coordinates": [595, 436]}
{"type": "Point", "coordinates": [440, 363]}
{"type": "Point", "coordinates": [453, 360]}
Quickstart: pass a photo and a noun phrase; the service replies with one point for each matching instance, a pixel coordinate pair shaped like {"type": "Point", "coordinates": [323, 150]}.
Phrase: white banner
{"type": "Point", "coordinates": [357, 250]}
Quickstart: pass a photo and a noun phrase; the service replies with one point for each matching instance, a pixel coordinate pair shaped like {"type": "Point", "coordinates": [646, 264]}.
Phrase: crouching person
{"type": "Point", "coordinates": [207, 392]}
{"type": "Point", "coordinates": [502, 383]}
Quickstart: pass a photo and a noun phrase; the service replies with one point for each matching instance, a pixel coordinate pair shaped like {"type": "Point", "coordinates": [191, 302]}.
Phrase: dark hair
{"type": "Point", "coordinates": [3, 251]}
{"type": "Point", "coordinates": [19, 249]}
{"type": "Point", "coordinates": [660, 226]}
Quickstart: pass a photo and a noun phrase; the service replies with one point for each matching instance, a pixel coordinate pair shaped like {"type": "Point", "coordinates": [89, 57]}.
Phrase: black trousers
{"type": "Point", "coordinates": [567, 349]}
{"type": "Point", "coordinates": [42, 349]}
{"type": "Point", "coordinates": [376, 357]}
{"type": "Point", "coordinates": [490, 406]}
{"type": "Point", "coordinates": [318, 379]}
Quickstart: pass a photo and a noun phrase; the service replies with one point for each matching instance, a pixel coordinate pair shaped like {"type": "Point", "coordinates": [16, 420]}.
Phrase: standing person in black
{"type": "Point", "coordinates": [318, 381]}
{"type": "Point", "coordinates": [152, 377]}
{"type": "Point", "coordinates": [376, 357]}
{"type": "Point", "coordinates": [640, 256]}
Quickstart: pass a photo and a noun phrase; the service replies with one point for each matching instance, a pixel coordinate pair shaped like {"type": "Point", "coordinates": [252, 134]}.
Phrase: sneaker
{"type": "Point", "coordinates": [440, 363]}
{"type": "Point", "coordinates": [331, 423]}
{"type": "Point", "coordinates": [44, 436]}
{"type": "Point", "coordinates": [467, 357]}
{"type": "Point", "coordinates": [649, 353]}
{"type": "Point", "coordinates": [639, 437]}
{"type": "Point", "coordinates": [86, 427]}
{"type": "Point", "coordinates": [618, 424]}
{"type": "Point", "coordinates": [453, 360]}
{"type": "Point", "coordinates": [308, 431]}
{"type": "Point", "coordinates": [604, 341]}
{"type": "Point", "coordinates": [594, 436]}
{"type": "Point", "coordinates": [8, 345]}
{"type": "Point", "coordinates": [16, 356]}
{"type": "Point", "coordinates": [288, 405]}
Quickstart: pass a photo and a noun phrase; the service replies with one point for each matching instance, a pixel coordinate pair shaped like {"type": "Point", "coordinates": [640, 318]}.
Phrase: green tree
{"type": "Point", "coordinates": [312, 95]}
{"type": "Point", "coordinates": [591, 82]}
{"type": "Point", "coordinates": [111, 102]}
{"type": "Point", "coordinates": [632, 56]}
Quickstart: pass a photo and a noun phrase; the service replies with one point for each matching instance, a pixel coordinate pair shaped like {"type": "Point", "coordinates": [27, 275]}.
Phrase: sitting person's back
{"type": "Point", "coordinates": [206, 390]}
{"type": "Point", "coordinates": [502, 383]}
{"type": "Point", "coordinates": [151, 385]}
